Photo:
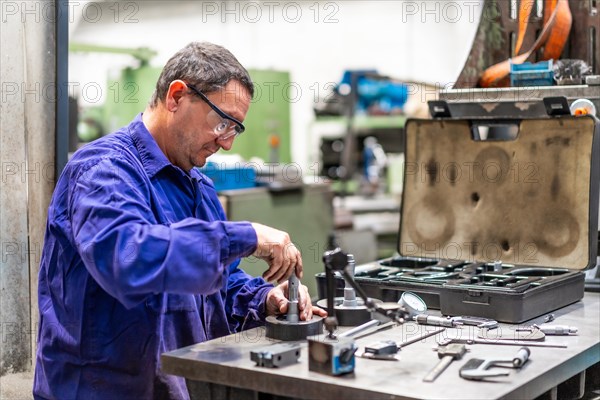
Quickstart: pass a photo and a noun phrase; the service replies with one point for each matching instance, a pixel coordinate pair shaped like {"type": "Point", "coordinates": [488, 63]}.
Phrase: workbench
{"type": "Point", "coordinates": [222, 369]}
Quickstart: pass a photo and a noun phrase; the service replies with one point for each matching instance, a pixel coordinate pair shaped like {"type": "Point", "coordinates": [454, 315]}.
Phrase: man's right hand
{"type": "Point", "coordinates": [276, 248]}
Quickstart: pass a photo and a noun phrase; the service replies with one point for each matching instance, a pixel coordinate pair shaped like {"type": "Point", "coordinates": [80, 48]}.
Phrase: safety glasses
{"type": "Point", "coordinates": [224, 125]}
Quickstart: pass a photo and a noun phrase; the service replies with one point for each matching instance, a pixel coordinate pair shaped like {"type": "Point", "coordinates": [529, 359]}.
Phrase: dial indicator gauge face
{"type": "Point", "coordinates": [413, 303]}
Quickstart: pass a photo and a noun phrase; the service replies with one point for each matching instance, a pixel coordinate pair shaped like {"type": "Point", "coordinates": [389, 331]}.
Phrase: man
{"type": "Point", "coordinates": [138, 258]}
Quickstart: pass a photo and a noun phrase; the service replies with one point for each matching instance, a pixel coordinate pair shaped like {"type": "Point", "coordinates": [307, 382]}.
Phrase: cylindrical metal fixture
{"type": "Point", "coordinates": [282, 329]}
{"type": "Point", "coordinates": [349, 294]}
{"type": "Point", "coordinates": [293, 285]}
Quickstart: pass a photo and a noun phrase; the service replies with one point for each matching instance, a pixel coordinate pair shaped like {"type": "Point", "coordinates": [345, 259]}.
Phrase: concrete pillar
{"type": "Point", "coordinates": [28, 100]}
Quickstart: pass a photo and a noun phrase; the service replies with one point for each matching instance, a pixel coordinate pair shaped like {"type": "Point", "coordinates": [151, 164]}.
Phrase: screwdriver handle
{"type": "Point", "coordinates": [521, 357]}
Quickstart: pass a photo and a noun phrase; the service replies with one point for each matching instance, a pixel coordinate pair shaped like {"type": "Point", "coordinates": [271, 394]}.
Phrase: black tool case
{"type": "Point", "coordinates": [498, 217]}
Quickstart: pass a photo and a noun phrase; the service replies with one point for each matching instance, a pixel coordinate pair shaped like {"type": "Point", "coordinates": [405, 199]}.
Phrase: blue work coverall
{"type": "Point", "coordinates": [137, 260]}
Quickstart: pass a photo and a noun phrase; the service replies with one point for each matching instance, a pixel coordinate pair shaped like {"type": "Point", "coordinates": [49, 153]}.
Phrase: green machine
{"type": "Point", "coordinates": [268, 121]}
{"type": "Point", "coordinates": [305, 213]}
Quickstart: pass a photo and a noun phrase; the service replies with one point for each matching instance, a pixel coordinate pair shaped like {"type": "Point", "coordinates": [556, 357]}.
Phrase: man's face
{"type": "Point", "coordinates": [193, 134]}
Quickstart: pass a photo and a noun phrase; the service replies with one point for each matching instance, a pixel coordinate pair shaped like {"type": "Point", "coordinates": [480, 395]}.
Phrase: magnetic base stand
{"type": "Point", "coordinates": [281, 329]}
{"type": "Point", "coordinates": [349, 315]}
{"type": "Point", "coordinates": [331, 356]}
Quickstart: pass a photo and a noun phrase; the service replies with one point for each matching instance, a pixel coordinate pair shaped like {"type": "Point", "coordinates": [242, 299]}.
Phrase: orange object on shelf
{"type": "Point", "coordinates": [554, 35]}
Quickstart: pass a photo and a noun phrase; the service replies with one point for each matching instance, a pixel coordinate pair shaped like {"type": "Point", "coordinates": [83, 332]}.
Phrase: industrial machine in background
{"type": "Point", "coordinates": [126, 95]}
{"type": "Point", "coordinates": [367, 104]}
{"type": "Point", "coordinates": [367, 92]}
{"type": "Point", "coordinates": [357, 138]}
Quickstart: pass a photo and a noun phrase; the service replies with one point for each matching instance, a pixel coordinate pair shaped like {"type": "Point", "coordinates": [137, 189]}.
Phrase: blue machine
{"type": "Point", "coordinates": [226, 177]}
{"type": "Point", "coordinates": [376, 94]}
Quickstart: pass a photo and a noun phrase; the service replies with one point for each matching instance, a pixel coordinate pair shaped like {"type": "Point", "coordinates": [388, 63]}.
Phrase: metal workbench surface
{"type": "Point", "coordinates": [226, 361]}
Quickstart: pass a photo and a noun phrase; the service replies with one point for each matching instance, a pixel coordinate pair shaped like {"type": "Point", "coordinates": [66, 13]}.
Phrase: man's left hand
{"type": "Point", "coordinates": [277, 302]}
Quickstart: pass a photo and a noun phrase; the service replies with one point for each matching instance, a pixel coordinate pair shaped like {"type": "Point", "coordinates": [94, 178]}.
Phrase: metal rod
{"type": "Point", "coordinates": [501, 343]}
{"type": "Point", "coordinates": [349, 279]}
{"type": "Point", "coordinates": [370, 304]}
{"type": "Point", "coordinates": [383, 326]}
{"type": "Point", "coordinates": [360, 328]}
{"type": "Point", "coordinates": [293, 284]}
{"type": "Point", "coordinates": [331, 322]}
{"type": "Point", "coordinates": [349, 293]}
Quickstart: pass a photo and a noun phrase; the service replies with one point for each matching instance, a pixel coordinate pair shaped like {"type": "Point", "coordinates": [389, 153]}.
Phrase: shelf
{"type": "Point", "coordinates": [361, 204]}
{"type": "Point", "coordinates": [379, 122]}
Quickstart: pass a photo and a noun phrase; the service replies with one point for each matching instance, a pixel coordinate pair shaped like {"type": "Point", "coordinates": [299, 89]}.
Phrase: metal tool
{"type": "Point", "coordinates": [331, 356]}
{"type": "Point", "coordinates": [549, 318]}
{"type": "Point", "coordinates": [425, 319]}
{"type": "Point", "coordinates": [418, 338]}
{"type": "Point", "coordinates": [521, 357]}
{"type": "Point", "coordinates": [447, 354]}
{"type": "Point", "coordinates": [387, 349]}
{"type": "Point", "coordinates": [276, 355]}
{"type": "Point", "coordinates": [349, 310]}
{"type": "Point", "coordinates": [497, 266]}
{"type": "Point", "coordinates": [335, 355]}
{"type": "Point", "coordinates": [336, 260]}
{"type": "Point", "coordinates": [412, 303]}
{"type": "Point", "coordinates": [552, 330]}
{"type": "Point", "coordinates": [349, 293]}
{"type": "Point", "coordinates": [289, 327]}
{"type": "Point", "coordinates": [369, 331]}
{"type": "Point", "coordinates": [382, 350]}
{"type": "Point", "coordinates": [499, 342]}
{"type": "Point", "coordinates": [479, 369]}
{"type": "Point", "coordinates": [524, 334]}
{"type": "Point", "coordinates": [293, 284]}
{"type": "Point", "coordinates": [480, 322]}
{"type": "Point", "coordinates": [361, 328]}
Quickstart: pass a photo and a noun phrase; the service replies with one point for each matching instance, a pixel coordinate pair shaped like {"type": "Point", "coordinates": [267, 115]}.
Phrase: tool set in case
{"type": "Point", "coordinates": [498, 217]}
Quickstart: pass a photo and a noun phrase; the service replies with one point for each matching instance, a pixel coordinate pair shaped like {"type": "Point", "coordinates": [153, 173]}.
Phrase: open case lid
{"type": "Point", "coordinates": [530, 200]}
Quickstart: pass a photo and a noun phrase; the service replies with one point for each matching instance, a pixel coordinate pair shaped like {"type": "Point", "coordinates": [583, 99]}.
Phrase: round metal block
{"type": "Point", "coordinates": [349, 316]}
{"type": "Point", "coordinates": [281, 329]}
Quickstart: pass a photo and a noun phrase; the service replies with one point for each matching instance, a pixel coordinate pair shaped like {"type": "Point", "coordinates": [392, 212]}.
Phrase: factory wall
{"type": "Point", "coordinates": [27, 137]}
{"type": "Point", "coordinates": [316, 41]}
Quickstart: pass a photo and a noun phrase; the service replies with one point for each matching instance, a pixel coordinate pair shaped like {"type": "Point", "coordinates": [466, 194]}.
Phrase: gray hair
{"type": "Point", "coordinates": [209, 67]}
